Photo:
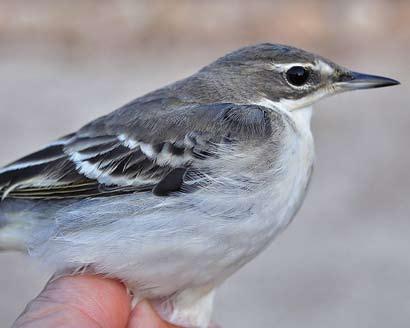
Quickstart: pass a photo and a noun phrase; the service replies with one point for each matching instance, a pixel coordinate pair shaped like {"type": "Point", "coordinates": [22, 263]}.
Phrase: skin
{"type": "Point", "coordinates": [89, 302]}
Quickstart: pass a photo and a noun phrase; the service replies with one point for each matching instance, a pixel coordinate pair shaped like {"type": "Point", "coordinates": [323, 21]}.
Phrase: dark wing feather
{"type": "Point", "coordinates": [132, 149]}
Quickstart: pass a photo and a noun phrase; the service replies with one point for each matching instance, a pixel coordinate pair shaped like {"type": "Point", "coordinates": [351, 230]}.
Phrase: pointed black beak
{"type": "Point", "coordinates": [356, 81]}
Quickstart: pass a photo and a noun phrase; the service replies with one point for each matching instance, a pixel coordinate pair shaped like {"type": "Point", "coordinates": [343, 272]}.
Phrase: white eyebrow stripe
{"type": "Point", "coordinates": [324, 67]}
{"type": "Point", "coordinates": [319, 65]}
{"type": "Point", "coordinates": [285, 66]}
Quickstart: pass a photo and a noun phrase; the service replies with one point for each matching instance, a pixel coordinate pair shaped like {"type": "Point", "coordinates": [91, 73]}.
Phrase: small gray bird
{"type": "Point", "coordinates": [175, 191]}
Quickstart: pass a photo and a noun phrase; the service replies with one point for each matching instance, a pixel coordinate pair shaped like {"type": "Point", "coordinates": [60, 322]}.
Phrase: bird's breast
{"type": "Point", "coordinates": [283, 185]}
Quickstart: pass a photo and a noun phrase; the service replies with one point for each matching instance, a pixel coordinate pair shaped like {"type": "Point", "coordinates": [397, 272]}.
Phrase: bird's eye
{"type": "Point", "coordinates": [297, 75]}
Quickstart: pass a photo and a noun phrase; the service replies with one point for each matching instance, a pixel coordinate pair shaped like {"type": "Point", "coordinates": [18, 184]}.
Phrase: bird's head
{"type": "Point", "coordinates": [286, 76]}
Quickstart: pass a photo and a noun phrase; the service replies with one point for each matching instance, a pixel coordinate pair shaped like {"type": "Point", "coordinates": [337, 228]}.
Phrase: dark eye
{"type": "Point", "coordinates": [297, 75]}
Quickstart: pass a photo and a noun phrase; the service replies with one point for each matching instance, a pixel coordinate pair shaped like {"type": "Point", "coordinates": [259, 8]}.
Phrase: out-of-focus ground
{"type": "Point", "coordinates": [345, 260]}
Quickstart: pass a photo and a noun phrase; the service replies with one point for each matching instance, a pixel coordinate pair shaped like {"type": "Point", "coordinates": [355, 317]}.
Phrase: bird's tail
{"type": "Point", "coordinates": [15, 228]}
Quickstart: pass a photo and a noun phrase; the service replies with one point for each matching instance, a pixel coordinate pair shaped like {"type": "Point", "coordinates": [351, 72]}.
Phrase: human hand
{"type": "Point", "coordinates": [89, 302]}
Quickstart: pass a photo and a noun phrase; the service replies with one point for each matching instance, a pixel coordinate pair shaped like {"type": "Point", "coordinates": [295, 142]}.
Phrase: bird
{"type": "Point", "coordinates": [177, 190]}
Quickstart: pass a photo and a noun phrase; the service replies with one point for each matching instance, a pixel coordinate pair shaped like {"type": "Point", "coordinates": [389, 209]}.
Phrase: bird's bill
{"type": "Point", "coordinates": [356, 81]}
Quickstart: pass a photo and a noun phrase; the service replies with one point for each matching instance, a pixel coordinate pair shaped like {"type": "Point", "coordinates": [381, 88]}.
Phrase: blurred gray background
{"type": "Point", "coordinates": [345, 260]}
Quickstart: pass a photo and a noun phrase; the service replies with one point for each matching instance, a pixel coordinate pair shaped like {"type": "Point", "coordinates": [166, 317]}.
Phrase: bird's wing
{"type": "Point", "coordinates": [132, 150]}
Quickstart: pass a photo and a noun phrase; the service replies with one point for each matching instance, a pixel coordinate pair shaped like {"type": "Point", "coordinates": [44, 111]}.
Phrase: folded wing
{"type": "Point", "coordinates": [132, 150]}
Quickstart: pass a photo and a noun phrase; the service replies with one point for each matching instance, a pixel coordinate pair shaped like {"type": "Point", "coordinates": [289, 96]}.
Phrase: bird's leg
{"type": "Point", "coordinates": [191, 308]}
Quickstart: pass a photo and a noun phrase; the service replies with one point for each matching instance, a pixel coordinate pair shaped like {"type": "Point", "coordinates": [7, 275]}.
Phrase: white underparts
{"type": "Point", "coordinates": [189, 308]}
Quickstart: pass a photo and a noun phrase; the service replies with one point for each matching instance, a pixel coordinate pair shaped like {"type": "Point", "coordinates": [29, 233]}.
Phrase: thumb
{"type": "Point", "coordinates": [78, 301]}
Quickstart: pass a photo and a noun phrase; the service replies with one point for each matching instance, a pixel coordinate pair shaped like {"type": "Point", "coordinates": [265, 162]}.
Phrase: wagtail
{"type": "Point", "coordinates": [178, 189]}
